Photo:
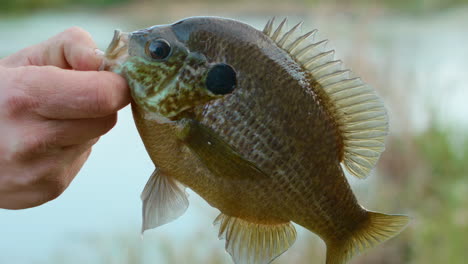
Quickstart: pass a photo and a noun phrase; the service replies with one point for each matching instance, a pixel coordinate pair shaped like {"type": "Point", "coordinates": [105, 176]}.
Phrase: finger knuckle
{"type": "Point", "coordinates": [51, 182]}
{"type": "Point", "coordinates": [103, 103]}
{"type": "Point", "coordinates": [15, 100]}
{"type": "Point", "coordinates": [44, 195]}
{"type": "Point", "coordinates": [53, 188]}
{"type": "Point", "coordinates": [44, 176]}
{"type": "Point", "coordinates": [33, 144]}
{"type": "Point", "coordinates": [110, 122]}
{"type": "Point", "coordinates": [37, 144]}
{"type": "Point", "coordinates": [76, 32]}
{"type": "Point", "coordinates": [80, 61]}
{"type": "Point", "coordinates": [17, 104]}
{"type": "Point", "coordinates": [23, 181]}
{"type": "Point", "coordinates": [12, 105]}
{"type": "Point", "coordinates": [44, 183]}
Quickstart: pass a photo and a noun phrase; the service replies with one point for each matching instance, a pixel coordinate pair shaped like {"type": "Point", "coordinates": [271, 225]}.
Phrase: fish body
{"type": "Point", "coordinates": [259, 124]}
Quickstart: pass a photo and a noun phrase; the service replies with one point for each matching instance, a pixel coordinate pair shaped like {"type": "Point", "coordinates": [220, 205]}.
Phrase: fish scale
{"type": "Point", "coordinates": [259, 124]}
{"type": "Point", "coordinates": [270, 96]}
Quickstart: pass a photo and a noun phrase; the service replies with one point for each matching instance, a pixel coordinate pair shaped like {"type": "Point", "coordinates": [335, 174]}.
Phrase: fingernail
{"type": "Point", "coordinates": [99, 52]}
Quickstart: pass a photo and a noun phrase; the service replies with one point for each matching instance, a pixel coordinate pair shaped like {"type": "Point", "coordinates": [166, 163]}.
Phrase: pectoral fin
{"type": "Point", "coordinates": [251, 243]}
{"type": "Point", "coordinates": [216, 154]}
{"type": "Point", "coordinates": [164, 200]}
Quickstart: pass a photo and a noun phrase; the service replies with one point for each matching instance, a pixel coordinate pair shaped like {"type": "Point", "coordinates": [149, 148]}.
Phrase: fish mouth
{"type": "Point", "coordinates": [116, 53]}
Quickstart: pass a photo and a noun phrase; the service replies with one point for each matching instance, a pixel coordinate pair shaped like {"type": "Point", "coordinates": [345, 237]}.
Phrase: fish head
{"type": "Point", "coordinates": [166, 78]}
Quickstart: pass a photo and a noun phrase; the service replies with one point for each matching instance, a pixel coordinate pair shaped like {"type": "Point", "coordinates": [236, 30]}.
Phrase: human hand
{"type": "Point", "coordinates": [54, 105]}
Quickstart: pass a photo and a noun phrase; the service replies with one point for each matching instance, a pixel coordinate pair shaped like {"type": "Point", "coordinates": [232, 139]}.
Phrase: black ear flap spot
{"type": "Point", "coordinates": [221, 79]}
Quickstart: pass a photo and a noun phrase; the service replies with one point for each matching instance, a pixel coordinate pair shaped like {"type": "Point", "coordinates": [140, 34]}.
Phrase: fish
{"type": "Point", "coordinates": [262, 124]}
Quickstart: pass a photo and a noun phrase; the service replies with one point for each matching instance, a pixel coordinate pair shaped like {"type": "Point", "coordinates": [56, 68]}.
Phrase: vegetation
{"type": "Point", "coordinates": [440, 234]}
{"type": "Point", "coordinates": [415, 6]}
{"type": "Point", "coordinates": [22, 6]}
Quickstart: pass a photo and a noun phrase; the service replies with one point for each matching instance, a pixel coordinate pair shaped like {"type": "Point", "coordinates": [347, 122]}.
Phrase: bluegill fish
{"type": "Point", "coordinates": [260, 124]}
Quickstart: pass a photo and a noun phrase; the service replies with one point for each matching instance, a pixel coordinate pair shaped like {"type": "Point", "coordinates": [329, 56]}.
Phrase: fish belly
{"type": "Point", "coordinates": [252, 201]}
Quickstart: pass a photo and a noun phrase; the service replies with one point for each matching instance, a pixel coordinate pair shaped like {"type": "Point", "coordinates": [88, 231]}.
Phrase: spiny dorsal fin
{"type": "Point", "coordinates": [251, 243]}
{"type": "Point", "coordinates": [358, 111]}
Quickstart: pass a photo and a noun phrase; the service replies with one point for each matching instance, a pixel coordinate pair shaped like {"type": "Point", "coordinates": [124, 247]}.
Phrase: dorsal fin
{"type": "Point", "coordinates": [356, 108]}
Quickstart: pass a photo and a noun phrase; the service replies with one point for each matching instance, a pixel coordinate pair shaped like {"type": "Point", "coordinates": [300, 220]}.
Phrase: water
{"type": "Point", "coordinates": [104, 197]}
{"type": "Point", "coordinates": [425, 57]}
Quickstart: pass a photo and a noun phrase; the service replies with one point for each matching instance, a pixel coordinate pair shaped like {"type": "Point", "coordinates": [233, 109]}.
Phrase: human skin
{"type": "Point", "coordinates": [54, 106]}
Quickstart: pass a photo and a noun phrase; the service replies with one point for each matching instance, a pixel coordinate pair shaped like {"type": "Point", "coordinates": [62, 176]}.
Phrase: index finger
{"type": "Point", "coordinates": [73, 48]}
{"type": "Point", "coordinates": [68, 94]}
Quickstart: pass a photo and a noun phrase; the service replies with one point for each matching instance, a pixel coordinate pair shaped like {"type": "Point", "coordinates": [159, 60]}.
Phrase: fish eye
{"type": "Point", "coordinates": [158, 49]}
{"type": "Point", "coordinates": [221, 79]}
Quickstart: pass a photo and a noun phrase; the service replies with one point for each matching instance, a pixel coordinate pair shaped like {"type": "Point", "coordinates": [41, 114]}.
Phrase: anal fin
{"type": "Point", "coordinates": [164, 200]}
{"type": "Point", "coordinates": [252, 243]}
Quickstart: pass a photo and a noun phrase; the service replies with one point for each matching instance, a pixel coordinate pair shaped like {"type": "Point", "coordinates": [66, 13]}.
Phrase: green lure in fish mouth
{"type": "Point", "coordinates": [165, 77]}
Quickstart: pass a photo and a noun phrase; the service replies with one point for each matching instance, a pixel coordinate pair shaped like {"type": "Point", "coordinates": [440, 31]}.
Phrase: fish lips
{"type": "Point", "coordinates": [117, 52]}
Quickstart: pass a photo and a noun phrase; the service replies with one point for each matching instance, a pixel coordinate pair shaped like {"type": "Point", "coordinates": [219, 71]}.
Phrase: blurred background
{"type": "Point", "coordinates": [414, 52]}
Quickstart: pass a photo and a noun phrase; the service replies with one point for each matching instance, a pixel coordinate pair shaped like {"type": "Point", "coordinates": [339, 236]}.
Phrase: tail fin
{"type": "Point", "coordinates": [380, 228]}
